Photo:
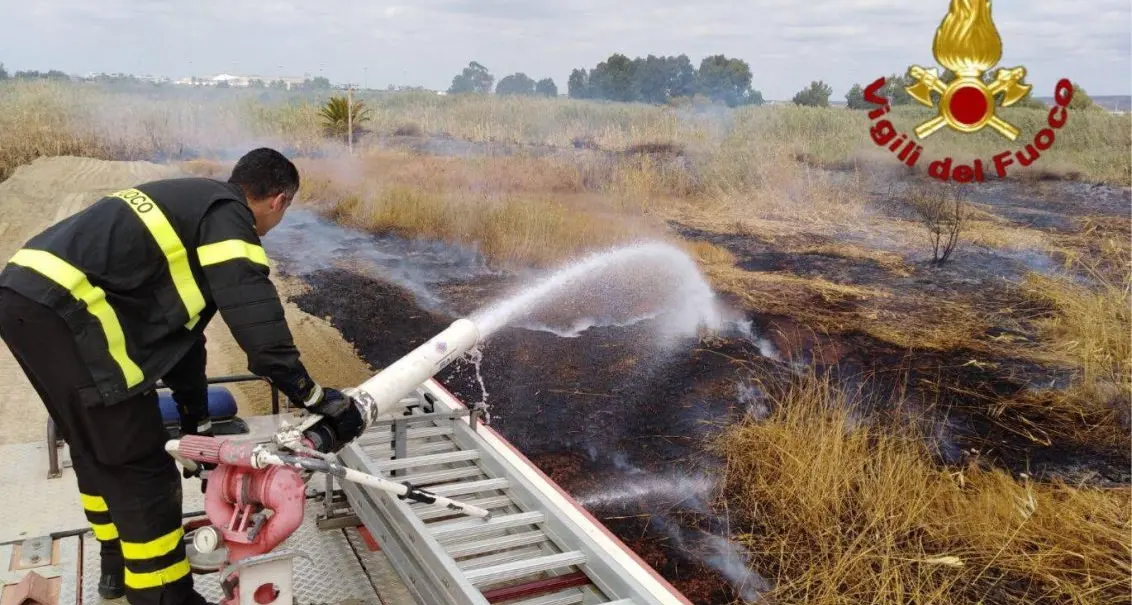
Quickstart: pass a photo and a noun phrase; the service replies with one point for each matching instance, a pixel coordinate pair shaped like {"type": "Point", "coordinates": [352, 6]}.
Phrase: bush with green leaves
{"type": "Point", "coordinates": [337, 119]}
{"type": "Point", "coordinates": [475, 79]}
{"type": "Point", "coordinates": [516, 84]}
{"type": "Point", "coordinates": [817, 95]}
{"type": "Point", "coordinates": [546, 87]}
{"type": "Point", "coordinates": [660, 80]}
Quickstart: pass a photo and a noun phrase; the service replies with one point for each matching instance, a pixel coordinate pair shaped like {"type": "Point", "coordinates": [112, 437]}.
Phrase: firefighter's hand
{"type": "Point", "coordinates": [341, 421]}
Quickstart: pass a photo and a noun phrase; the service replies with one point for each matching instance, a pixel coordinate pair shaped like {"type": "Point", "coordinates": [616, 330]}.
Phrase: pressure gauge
{"type": "Point", "coordinates": [207, 539]}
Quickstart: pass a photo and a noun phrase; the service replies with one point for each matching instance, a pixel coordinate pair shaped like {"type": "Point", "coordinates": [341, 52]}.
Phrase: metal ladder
{"type": "Point", "coordinates": [535, 549]}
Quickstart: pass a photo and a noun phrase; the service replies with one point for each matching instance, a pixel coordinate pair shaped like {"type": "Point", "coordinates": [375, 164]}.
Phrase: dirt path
{"type": "Point", "coordinates": [50, 189]}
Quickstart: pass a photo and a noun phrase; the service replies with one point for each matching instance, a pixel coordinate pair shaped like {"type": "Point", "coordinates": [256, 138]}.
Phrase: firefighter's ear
{"type": "Point", "coordinates": [279, 202]}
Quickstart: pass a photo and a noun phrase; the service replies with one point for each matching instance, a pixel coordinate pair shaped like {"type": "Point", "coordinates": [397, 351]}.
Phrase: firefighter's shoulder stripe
{"type": "Point", "coordinates": [232, 249]}
{"type": "Point", "coordinates": [166, 237]}
{"type": "Point", "coordinates": [74, 281]}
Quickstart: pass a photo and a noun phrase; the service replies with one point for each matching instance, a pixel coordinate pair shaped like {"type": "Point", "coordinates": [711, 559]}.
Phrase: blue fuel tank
{"type": "Point", "coordinates": [222, 410]}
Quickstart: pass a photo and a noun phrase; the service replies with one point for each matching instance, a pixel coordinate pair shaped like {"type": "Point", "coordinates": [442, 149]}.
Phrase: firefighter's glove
{"type": "Point", "coordinates": [341, 421]}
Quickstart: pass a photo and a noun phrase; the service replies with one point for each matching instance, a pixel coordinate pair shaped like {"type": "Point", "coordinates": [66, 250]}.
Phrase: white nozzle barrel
{"type": "Point", "coordinates": [383, 393]}
{"type": "Point", "coordinates": [173, 447]}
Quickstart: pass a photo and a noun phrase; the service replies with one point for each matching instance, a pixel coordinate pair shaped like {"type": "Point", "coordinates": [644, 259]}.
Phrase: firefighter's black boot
{"type": "Point", "coordinates": [112, 584]}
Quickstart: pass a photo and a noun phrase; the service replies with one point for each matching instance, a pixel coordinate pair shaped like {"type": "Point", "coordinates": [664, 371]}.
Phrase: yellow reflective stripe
{"type": "Point", "coordinates": [66, 275]}
{"type": "Point", "coordinates": [104, 531]}
{"type": "Point", "coordinates": [94, 504]}
{"type": "Point", "coordinates": [230, 250]}
{"type": "Point", "coordinates": [153, 579]}
{"type": "Point", "coordinates": [192, 322]}
{"type": "Point", "coordinates": [170, 244]}
{"type": "Point", "coordinates": [154, 548]}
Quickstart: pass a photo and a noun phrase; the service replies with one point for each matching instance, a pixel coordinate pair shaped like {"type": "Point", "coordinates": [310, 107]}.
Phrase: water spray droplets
{"type": "Point", "coordinates": [623, 286]}
{"type": "Point", "coordinates": [475, 356]}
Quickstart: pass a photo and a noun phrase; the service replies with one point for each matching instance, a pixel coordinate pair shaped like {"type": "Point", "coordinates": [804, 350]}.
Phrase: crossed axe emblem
{"type": "Point", "coordinates": [967, 104]}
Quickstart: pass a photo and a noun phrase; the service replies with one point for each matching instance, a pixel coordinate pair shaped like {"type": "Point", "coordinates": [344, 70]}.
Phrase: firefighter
{"type": "Point", "coordinates": [100, 306]}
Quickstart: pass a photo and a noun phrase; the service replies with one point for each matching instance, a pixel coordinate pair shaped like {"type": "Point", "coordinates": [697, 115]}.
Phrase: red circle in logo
{"type": "Point", "coordinates": [969, 105]}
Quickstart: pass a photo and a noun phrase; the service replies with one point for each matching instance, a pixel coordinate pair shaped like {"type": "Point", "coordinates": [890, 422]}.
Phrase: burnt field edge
{"type": "Point", "coordinates": [384, 322]}
{"type": "Point", "coordinates": [584, 408]}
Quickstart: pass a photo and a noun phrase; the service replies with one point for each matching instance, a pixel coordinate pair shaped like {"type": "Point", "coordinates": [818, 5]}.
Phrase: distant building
{"type": "Point", "coordinates": [229, 80]}
{"type": "Point", "coordinates": [233, 81]}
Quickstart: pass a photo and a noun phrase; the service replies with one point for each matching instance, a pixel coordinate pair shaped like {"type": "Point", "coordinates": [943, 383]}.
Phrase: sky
{"type": "Point", "coordinates": [376, 43]}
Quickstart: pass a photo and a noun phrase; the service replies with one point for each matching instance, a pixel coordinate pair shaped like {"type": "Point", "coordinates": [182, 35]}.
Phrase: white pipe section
{"type": "Point", "coordinates": [397, 489]}
{"type": "Point", "coordinates": [419, 495]}
{"type": "Point", "coordinates": [383, 393]}
{"type": "Point", "coordinates": [173, 447]}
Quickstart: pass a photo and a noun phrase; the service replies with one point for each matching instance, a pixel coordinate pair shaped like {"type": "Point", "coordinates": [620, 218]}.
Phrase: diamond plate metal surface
{"type": "Point", "coordinates": [91, 570]}
{"type": "Point", "coordinates": [390, 588]}
{"type": "Point", "coordinates": [49, 506]}
{"type": "Point", "coordinates": [69, 562]}
{"type": "Point", "coordinates": [333, 575]}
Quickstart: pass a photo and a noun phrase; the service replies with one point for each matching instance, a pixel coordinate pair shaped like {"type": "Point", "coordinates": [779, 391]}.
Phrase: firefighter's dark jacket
{"type": "Point", "coordinates": [140, 273]}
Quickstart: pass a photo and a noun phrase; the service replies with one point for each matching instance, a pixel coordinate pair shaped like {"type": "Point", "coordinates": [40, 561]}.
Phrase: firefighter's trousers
{"type": "Point", "coordinates": [130, 487]}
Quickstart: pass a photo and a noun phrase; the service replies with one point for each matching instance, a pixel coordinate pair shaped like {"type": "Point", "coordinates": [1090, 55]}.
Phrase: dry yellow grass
{"type": "Point", "coordinates": [533, 212]}
{"type": "Point", "coordinates": [1092, 143]}
{"type": "Point", "coordinates": [709, 255]}
{"type": "Point", "coordinates": [732, 142]}
{"type": "Point", "coordinates": [1090, 327]}
{"type": "Point", "coordinates": [740, 167]}
{"type": "Point", "coordinates": [34, 123]}
{"type": "Point", "coordinates": [43, 118]}
{"type": "Point", "coordinates": [891, 261]}
{"type": "Point", "coordinates": [903, 319]}
{"type": "Point", "coordinates": [839, 509]}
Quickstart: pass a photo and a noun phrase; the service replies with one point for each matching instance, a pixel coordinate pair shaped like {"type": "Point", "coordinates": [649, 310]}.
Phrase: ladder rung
{"type": "Point", "coordinates": [435, 511]}
{"type": "Point", "coordinates": [384, 435]}
{"type": "Point", "coordinates": [572, 596]}
{"type": "Point", "coordinates": [441, 476]}
{"type": "Point", "coordinates": [469, 487]}
{"type": "Point", "coordinates": [468, 528]}
{"type": "Point", "coordinates": [519, 569]}
{"type": "Point", "coordinates": [466, 549]}
{"type": "Point", "coordinates": [380, 452]}
{"type": "Point", "coordinates": [521, 554]}
{"type": "Point", "coordinates": [433, 460]}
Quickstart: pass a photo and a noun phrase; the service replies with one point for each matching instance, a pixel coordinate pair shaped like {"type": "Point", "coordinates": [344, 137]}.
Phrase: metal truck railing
{"type": "Point", "coordinates": [53, 470]}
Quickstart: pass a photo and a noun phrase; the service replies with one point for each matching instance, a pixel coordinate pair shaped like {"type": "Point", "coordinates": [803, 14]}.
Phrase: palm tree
{"type": "Point", "coordinates": [336, 117]}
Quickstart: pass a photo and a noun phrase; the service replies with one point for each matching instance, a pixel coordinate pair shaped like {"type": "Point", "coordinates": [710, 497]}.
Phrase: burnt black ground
{"type": "Point", "coordinates": [606, 408]}
{"type": "Point", "coordinates": [607, 412]}
{"type": "Point", "coordinates": [604, 401]}
{"type": "Point", "coordinates": [961, 394]}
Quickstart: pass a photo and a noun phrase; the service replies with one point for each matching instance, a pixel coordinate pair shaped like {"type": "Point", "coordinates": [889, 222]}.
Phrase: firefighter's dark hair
{"type": "Point", "coordinates": [265, 173]}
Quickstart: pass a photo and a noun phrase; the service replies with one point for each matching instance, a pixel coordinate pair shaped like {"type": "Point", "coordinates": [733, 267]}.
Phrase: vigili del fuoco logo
{"type": "Point", "coordinates": [967, 44]}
